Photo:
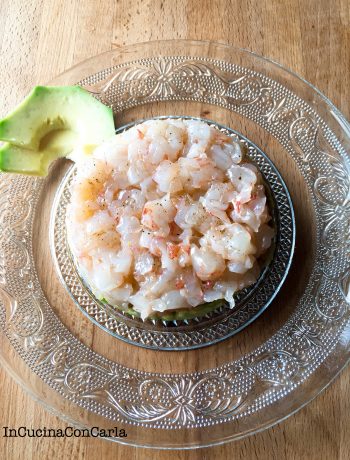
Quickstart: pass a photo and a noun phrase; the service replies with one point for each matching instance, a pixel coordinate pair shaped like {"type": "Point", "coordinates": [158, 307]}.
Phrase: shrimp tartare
{"type": "Point", "coordinates": [168, 215]}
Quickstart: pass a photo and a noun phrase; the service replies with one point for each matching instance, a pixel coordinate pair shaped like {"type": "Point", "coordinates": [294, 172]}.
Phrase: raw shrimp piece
{"type": "Point", "coordinates": [142, 304]}
{"type": "Point", "coordinates": [158, 151]}
{"type": "Point", "coordinates": [129, 228]}
{"type": "Point", "coordinates": [163, 283]}
{"type": "Point", "coordinates": [243, 179]}
{"type": "Point", "coordinates": [211, 295]}
{"type": "Point", "coordinates": [225, 155]}
{"type": "Point", "coordinates": [230, 241]}
{"type": "Point", "coordinates": [144, 263]}
{"type": "Point", "coordinates": [138, 150]}
{"type": "Point", "coordinates": [114, 153]}
{"type": "Point", "coordinates": [254, 213]}
{"type": "Point", "coordinates": [121, 262]}
{"type": "Point", "coordinates": [104, 278]}
{"type": "Point", "coordinates": [198, 133]}
{"type": "Point", "coordinates": [197, 173]}
{"type": "Point", "coordinates": [138, 171]}
{"type": "Point", "coordinates": [157, 215]}
{"type": "Point", "coordinates": [132, 200]}
{"type": "Point", "coordinates": [149, 189]}
{"type": "Point", "coordinates": [241, 265]}
{"type": "Point", "coordinates": [172, 300]}
{"type": "Point", "coordinates": [175, 136]}
{"type": "Point", "coordinates": [263, 239]}
{"type": "Point", "coordinates": [99, 222]}
{"type": "Point", "coordinates": [206, 263]}
{"type": "Point", "coordinates": [120, 295]}
{"type": "Point", "coordinates": [217, 199]}
{"type": "Point", "coordinates": [167, 177]}
{"type": "Point", "coordinates": [191, 290]}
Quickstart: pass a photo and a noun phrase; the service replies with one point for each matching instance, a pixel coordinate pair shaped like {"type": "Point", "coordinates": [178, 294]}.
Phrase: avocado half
{"type": "Point", "coordinates": [52, 122]}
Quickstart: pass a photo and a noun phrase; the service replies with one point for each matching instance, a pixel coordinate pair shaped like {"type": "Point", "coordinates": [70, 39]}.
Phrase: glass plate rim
{"type": "Point", "coordinates": [336, 111]}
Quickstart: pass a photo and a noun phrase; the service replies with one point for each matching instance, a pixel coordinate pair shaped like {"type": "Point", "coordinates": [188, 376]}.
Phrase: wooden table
{"type": "Point", "coordinates": [39, 39]}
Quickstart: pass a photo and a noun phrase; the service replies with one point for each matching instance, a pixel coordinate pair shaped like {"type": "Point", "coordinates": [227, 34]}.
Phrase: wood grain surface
{"type": "Point", "coordinates": [41, 38]}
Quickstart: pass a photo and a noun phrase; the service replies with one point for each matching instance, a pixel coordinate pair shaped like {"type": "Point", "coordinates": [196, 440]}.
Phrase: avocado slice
{"type": "Point", "coordinates": [16, 159]}
{"type": "Point", "coordinates": [52, 122]}
{"type": "Point", "coordinates": [24, 161]}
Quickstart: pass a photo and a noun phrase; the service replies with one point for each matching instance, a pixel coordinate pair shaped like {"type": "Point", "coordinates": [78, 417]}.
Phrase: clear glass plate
{"type": "Point", "coordinates": [186, 399]}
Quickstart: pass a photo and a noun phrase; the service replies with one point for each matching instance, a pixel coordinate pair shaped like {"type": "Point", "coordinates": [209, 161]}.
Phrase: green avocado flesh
{"type": "Point", "coordinates": [175, 315]}
{"type": "Point", "coordinates": [21, 160]}
{"type": "Point", "coordinates": [52, 122]}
